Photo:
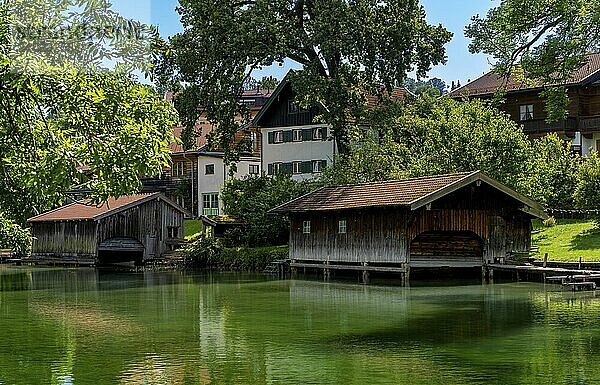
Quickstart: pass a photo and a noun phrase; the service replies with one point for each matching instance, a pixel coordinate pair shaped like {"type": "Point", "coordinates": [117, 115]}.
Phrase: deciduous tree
{"type": "Point", "coordinates": [347, 49]}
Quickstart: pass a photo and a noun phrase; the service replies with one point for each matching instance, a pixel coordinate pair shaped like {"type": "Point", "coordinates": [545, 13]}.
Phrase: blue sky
{"type": "Point", "coordinates": [453, 14]}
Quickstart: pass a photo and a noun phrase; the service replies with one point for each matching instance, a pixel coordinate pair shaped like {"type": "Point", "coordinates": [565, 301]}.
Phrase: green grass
{"type": "Point", "coordinates": [568, 240]}
{"type": "Point", "coordinates": [192, 227]}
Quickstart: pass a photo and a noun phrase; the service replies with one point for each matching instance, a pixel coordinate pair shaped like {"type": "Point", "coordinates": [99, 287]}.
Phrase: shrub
{"type": "Point", "coordinates": [587, 193]}
{"type": "Point", "coordinates": [13, 236]}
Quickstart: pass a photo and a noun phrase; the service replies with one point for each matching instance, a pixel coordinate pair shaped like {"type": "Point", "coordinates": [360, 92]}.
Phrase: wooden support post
{"type": "Point", "coordinates": [579, 263]}
{"type": "Point", "coordinates": [545, 260]}
{"type": "Point", "coordinates": [293, 270]}
{"type": "Point", "coordinates": [326, 271]}
{"type": "Point", "coordinates": [491, 275]}
{"type": "Point", "coordinates": [406, 277]}
{"type": "Point", "coordinates": [483, 275]}
{"type": "Point", "coordinates": [365, 275]}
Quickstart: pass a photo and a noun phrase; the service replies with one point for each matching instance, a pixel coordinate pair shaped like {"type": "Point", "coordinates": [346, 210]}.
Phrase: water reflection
{"type": "Point", "coordinates": [62, 326]}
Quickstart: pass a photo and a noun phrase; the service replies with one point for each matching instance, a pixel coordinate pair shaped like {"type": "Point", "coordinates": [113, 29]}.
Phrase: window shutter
{"type": "Point", "coordinates": [270, 168]}
{"type": "Point", "coordinates": [306, 167]}
{"type": "Point", "coordinates": [324, 133]}
{"type": "Point", "coordinates": [287, 136]}
{"type": "Point", "coordinates": [271, 137]}
{"type": "Point", "coordinates": [323, 164]}
{"type": "Point", "coordinates": [306, 134]}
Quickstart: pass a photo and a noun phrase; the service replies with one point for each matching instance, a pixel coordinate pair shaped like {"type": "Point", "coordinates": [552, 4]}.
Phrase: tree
{"type": "Point", "coordinates": [69, 123]}
{"type": "Point", "coordinates": [433, 86]}
{"type": "Point", "coordinates": [554, 173]}
{"type": "Point", "coordinates": [347, 50]}
{"type": "Point", "coordinates": [587, 193]}
{"type": "Point", "coordinates": [249, 199]}
{"type": "Point", "coordinates": [547, 38]}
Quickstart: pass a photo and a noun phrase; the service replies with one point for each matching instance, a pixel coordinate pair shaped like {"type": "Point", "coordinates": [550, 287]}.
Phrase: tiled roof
{"type": "Point", "coordinates": [86, 210]}
{"type": "Point", "coordinates": [391, 193]}
{"type": "Point", "coordinates": [398, 93]}
{"type": "Point", "coordinates": [492, 82]}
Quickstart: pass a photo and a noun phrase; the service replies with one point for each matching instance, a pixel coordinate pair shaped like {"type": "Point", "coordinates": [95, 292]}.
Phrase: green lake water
{"type": "Point", "coordinates": [86, 326]}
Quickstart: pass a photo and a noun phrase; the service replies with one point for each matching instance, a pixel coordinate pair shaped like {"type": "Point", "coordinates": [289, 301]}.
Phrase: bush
{"type": "Point", "coordinates": [587, 193]}
{"type": "Point", "coordinates": [210, 253]}
{"type": "Point", "coordinates": [14, 237]}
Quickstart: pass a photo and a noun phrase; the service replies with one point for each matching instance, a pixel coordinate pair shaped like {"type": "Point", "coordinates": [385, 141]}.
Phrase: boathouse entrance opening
{"type": "Point", "coordinates": [117, 250]}
{"type": "Point", "coordinates": [457, 249]}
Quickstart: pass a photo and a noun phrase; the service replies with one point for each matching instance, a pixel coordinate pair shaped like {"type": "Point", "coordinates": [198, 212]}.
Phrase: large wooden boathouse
{"type": "Point", "coordinates": [129, 228]}
{"type": "Point", "coordinates": [458, 221]}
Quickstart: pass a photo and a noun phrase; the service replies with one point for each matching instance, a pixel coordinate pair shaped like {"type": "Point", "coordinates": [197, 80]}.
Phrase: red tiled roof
{"type": "Point", "coordinates": [391, 193]}
{"type": "Point", "coordinates": [86, 210]}
{"type": "Point", "coordinates": [398, 93]}
{"type": "Point", "coordinates": [492, 82]}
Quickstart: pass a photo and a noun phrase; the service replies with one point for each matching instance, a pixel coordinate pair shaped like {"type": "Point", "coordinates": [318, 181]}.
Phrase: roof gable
{"type": "Point", "coordinates": [86, 210]}
{"type": "Point", "coordinates": [412, 193]}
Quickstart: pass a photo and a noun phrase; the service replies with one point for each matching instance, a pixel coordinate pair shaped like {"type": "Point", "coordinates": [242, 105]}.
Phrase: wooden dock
{"type": "Point", "coordinates": [573, 279]}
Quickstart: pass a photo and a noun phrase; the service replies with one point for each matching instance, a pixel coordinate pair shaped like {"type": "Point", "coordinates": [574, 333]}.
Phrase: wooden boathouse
{"type": "Point", "coordinates": [463, 220]}
{"type": "Point", "coordinates": [129, 228]}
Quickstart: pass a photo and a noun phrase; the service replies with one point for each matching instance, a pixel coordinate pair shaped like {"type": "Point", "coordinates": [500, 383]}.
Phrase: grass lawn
{"type": "Point", "coordinates": [568, 240]}
{"type": "Point", "coordinates": [192, 227]}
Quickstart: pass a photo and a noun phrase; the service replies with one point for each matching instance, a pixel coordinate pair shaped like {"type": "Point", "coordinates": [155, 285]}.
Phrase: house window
{"type": "Point", "coordinates": [293, 108]}
{"type": "Point", "coordinates": [276, 168]}
{"type": "Point", "coordinates": [253, 169]}
{"type": "Point", "coordinates": [306, 227]}
{"type": "Point", "coordinates": [178, 169]}
{"type": "Point", "coordinates": [317, 134]}
{"type": "Point", "coordinates": [210, 204]}
{"type": "Point", "coordinates": [342, 227]}
{"type": "Point", "coordinates": [526, 112]}
{"type": "Point", "coordinates": [172, 232]}
{"type": "Point", "coordinates": [297, 135]}
{"type": "Point", "coordinates": [209, 169]}
{"type": "Point", "coordinates": [297, 168]}
{"type": "Point", "coordinates": [278, 136]}
{"type": "Point", "coordinates": [254, 140]}
{"type": "Point", "coordinates": [317, 166]}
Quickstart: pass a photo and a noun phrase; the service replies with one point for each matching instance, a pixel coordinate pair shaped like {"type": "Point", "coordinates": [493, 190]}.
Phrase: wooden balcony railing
{"type": "Point", "coordinates": [589, 124]}
{"type": "Point", "coordinates": [540, 126]}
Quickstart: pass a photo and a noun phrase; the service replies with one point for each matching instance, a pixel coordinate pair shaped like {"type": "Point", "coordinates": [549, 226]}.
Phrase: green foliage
{"type": "Point", "coordinates": [209, 253]}
{"type": "Point", "coordinates": [13, 236]}
{"type": "Point", "coordinates": [463, 136]}
{"type": "Point", "coordinates": [62, 127]}
{"type": "Point", "coordinates": [553, 174]}
{"type": "Point", "coordinates": [433, 86]}
{"type": "Point", "coordinates": [249, 258]}
{"type": "Point", "coordinates": [587, 193]}
{"type": "Point", "coordinates": [548, 38]}
{"type": "Point", "coordinates": [347, 49]}
{"type": "Point", "coordinates": [249, 199]}
{"type": "Point", "coordinates": [437, 136]}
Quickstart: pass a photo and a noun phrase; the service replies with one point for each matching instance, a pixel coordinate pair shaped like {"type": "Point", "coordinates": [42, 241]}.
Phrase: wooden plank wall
{"type": "Point", "coordinates": [147, 223]}
{"type": "Point", "coordinates": [66, 239]}
{"type": "Point", "coordinates": [372, 236]}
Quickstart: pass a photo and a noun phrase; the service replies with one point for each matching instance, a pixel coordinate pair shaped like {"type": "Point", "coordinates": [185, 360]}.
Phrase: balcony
{"type": "Point", "coordinates": [540, 126]}
{"type": "Point", "coordinates": [589, 124]}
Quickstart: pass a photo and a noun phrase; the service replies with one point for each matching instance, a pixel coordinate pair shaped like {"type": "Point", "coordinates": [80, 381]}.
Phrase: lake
{"type": "Point", "coordinates": [87, 326]}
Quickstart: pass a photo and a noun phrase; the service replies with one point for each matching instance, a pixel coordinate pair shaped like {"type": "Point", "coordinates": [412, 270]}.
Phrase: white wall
{"type": "Point", "coordinates": [296, 151]}
{"type": "Point", "coordinates": [214, 183]}
{"type": "Point", "coordinates": [587, 144]}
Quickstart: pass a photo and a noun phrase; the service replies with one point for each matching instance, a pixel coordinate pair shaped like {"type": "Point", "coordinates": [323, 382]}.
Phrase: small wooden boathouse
{"type": "Point", "coordinates": [129, 228]}
{"type": "Point", "coordinates": [460, 220]}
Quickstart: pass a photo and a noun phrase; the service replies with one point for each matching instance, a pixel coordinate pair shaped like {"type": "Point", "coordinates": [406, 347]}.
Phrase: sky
{"type": "Point", "coordinates": [453, 14]}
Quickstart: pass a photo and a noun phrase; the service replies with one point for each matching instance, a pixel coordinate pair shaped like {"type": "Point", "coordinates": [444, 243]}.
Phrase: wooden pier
{"type": "Point", "coordinates": [573, 279]}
